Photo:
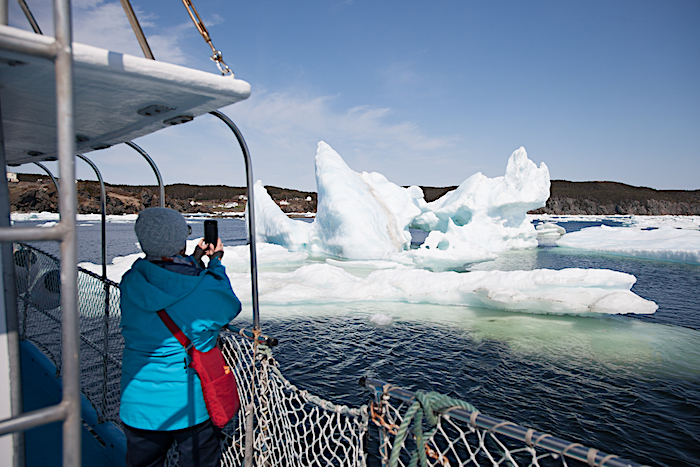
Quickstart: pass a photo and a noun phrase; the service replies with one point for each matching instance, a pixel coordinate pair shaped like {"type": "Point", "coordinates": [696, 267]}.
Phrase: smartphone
{"type": "Point", "coordinates": [211, 232]}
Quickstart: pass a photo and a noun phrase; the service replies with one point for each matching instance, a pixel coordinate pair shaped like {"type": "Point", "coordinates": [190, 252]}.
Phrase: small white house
{"type": "Point", "coordinates": [12, 177]}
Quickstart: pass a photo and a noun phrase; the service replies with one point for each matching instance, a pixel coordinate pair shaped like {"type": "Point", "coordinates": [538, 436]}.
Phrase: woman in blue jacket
{"type": "Point", "coordinates": [161, 398]}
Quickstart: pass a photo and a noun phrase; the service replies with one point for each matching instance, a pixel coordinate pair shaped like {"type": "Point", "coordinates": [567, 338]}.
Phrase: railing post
{"type": "Point", "coordinates": [155, 170]}
{"type": "Point", "coordinates": [105, 359]}
{"type": "Point", "coordinates": [3, 12]}
{"type": "Point", "coordinates": [103, 206]}
{"type": "Point", "coordinates": [11, 317]}
{"type": "Point", "coordinates": [251, 214]}
{"type": "Point", "coordinates": [65, 113]}
{"type": "Point", "coordinates": [48, 172]}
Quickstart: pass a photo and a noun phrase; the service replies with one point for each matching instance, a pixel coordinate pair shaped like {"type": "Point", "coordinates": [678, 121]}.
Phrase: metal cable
{"type": "Point", "coordinates": [216, 54]}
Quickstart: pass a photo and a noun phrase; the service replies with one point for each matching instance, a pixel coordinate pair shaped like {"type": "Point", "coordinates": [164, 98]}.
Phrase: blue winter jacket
{"type": "Point", "coordinates": [158, 392]}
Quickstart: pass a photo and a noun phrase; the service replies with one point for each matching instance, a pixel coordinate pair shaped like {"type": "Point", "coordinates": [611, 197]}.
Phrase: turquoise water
{"type": "Point", "coordinates": [624, 385]}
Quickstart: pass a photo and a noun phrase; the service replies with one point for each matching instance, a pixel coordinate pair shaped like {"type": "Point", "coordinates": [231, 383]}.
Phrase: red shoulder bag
{"type": "Point", "coordinates": [218, 383]}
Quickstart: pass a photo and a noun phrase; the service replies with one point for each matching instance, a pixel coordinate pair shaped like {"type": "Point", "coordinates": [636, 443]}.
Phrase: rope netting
{"type": "Point", "coordinates": [38, 295]}
{"type": "Point", "coordinates": [432, 429]}
{"type": "Point", "coordinates": [289, 426]}
{"type": "Point", "coordinates": [279, 424]}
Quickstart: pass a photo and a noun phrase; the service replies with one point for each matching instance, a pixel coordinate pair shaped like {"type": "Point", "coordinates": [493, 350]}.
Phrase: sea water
{"type": "Point", "coordinates": [628, 385]}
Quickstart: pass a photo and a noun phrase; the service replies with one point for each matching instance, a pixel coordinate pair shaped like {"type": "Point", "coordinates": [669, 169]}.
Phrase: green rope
{"type": "Point", "coordinates": [428, 404]}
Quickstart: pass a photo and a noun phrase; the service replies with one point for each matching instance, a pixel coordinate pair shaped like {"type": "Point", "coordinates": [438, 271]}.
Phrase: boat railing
{"type": "Point", "coordinates": [59, 50]}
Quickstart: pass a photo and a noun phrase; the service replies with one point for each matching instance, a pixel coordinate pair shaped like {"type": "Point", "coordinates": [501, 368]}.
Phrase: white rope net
{"type": "Point", "coordinates": [291, 426]}
{"type": "Point", "coordinates": [431, 429]}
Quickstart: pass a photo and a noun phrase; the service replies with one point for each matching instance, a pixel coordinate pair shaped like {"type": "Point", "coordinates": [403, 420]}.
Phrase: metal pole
{"type": "Point", "coordinates": [251, 214]}
{"type": "Point", "coordinates": [40, 46]}
{"type": "Point", "coordinates": [48, 172]}
{"type": "Point", "coordinates": [67, 200]}
{"type": "Point", "coordinates": [155, 170]}
{"type": "Point", "coordinates": [137, 29]}
{"type": "Point", "coordinates": [103, 205]}
{"type": "Point", "coordinates": [30, 16]}
{"type": "Point", "coordinates": [3, 12]}
{"type": "Point", "coordinates": [105, 337]}
{"type": "Point", "coordinates": [11, 317]}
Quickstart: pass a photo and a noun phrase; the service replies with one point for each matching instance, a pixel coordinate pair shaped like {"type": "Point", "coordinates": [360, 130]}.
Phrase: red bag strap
{"type": "Point", "coordinates": [179, 335]}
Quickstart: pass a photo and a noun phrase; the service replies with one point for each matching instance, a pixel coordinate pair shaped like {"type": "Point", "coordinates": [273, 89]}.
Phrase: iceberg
{"type": "Point", "coordinates": [274, 226]}
{"type": "Point", "coordinates": [364, 216]}
{"type": "Point", "coordinates": [548, 233]}
{"type": "Point", "coordinates": [361, 233]}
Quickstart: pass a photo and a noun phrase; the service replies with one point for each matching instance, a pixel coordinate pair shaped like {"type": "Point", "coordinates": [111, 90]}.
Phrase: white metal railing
{"type": "Point", "coordinates": [59, 50]}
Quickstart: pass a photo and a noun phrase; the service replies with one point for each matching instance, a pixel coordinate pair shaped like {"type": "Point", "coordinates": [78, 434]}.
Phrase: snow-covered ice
{"type": "Point", "coordinates": [55, 217]}
{"type": "Point", "coordinates": [663, 243]}
{"type": "Point", "coordinates": [567, 291]}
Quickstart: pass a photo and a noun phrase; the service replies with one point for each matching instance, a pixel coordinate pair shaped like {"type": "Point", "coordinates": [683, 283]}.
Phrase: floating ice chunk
{"type": "Point", "coordinates": [568, 291]}
{"type": "Point", "coordinates": [664, 243]}
{"type": "Point", "coordinates": [678, 222]}
{"type": "Point", "coordinates": [548, 233]}
{"type": "Point", "coordinates": [34, 216]}
{"type": "Point", "coordinates": [381, 319]}
{"type": "Point", "coordinates": [623, 303]}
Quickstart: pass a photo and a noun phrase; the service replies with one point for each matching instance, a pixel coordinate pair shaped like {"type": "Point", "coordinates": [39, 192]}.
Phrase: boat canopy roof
{"type": "Point", "coordinates": [118, 98]}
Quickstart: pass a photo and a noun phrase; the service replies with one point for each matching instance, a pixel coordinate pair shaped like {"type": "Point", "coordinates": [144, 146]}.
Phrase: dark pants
{"type": "Point", "coordinates": [198, 446]}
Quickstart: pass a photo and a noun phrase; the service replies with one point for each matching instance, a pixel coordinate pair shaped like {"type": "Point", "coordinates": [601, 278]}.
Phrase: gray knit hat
{"type": "Point", "coordinates": [161, 231]}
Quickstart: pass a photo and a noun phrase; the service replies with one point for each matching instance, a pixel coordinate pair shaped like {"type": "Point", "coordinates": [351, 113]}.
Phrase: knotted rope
{"type": "Point", "coordinates": [428, 404]}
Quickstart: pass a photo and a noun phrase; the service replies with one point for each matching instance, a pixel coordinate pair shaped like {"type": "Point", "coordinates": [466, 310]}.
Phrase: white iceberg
{"type": "Point", "coordinates": [363, 216]}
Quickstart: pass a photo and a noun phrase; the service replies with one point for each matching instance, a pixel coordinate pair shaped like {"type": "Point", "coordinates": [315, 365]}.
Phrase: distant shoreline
{"type": "Point", "coordinates": [36, 193]}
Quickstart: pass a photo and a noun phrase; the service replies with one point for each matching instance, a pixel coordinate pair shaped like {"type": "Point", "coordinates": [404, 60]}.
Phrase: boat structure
{"type": "Point", "coordinates": [60, 345]}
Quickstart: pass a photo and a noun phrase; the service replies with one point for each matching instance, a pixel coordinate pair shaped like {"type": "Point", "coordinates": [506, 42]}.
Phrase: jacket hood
{"type": "Point", "coordinates": [153, 288]}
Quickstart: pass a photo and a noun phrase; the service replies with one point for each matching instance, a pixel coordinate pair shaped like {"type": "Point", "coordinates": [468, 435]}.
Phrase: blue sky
{"type": "Point", "coordinates": [425, 93]}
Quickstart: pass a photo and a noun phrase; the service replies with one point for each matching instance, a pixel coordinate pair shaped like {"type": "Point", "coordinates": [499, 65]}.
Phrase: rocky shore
{"type": "Point", "coordinates": [611, 198]}
{"type": "Point", "coordinates": [37, 193]}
